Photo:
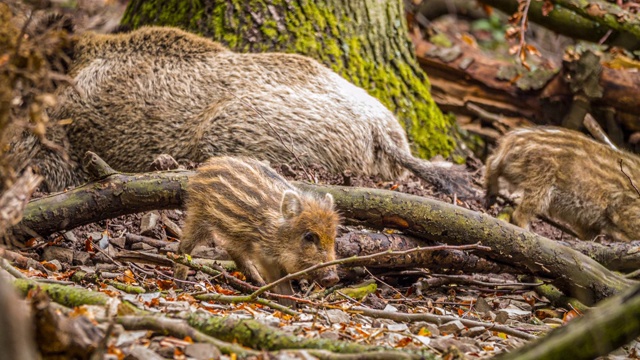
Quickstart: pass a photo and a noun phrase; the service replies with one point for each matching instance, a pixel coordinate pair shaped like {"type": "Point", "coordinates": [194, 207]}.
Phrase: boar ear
{"type": "Point", "coordinates": [291, 205]}
{"type": "Point", "coordinates": [329, 199]}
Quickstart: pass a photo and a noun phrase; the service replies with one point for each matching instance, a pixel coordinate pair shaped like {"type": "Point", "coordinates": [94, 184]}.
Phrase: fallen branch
{"type": "Point", "coordinates": [356, 259]}
{"type": "Point", "coordinates": [73, 296]}
{"type": "Point", "coordinates": [614, 256]}
{"type": "Point", "coordinates": [439, 320]}
{"type": "Point", "coordinates": [180, 329]}
{"type": "Point", "coordinates": [116, 195]}
{"type": "Point", "coordinates": [253, 334]}
{"type": "Point", "coordinates": [574, 273]}
{"type": "Point", "coordinates": [449, 260]}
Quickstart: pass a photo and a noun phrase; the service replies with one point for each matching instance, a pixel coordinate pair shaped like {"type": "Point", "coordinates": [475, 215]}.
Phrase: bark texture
{"type": "Point", "coordinates": [365, 41]}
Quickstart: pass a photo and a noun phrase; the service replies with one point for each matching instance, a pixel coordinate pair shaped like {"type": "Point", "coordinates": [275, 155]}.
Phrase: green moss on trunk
{"type": "Point", "coordinates": [363, 40]}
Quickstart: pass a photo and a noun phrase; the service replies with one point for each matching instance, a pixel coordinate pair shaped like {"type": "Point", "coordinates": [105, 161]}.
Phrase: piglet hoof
{"type": "Point", "coordinates": [489, 200]}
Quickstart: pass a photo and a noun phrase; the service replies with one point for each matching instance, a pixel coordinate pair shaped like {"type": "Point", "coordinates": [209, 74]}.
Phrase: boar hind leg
{"type": "Point", "coordinates": [531, 205]}
{"type": "Point", "coordinates": [191, 237]}
{"type": "Point", "coordinates": [492, 174]}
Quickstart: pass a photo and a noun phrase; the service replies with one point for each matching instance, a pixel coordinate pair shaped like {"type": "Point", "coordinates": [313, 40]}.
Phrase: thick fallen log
{"type": "Point", "coordinates": [115, 195]}
{"type": "Point", "coordinates": [574, 273]}
{"type": "Point", "coordinates": [623, 257]}
{"type": "Point", "coordinates": [464, 77]}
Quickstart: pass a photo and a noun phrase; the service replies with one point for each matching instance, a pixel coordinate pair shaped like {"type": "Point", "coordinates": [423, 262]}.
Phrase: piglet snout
{"type": "Point", "coordinates": [330, 278]}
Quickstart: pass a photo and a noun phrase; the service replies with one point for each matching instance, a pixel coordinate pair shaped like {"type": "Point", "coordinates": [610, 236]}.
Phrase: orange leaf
{"type": "Point", "coordinates": [187, 297]}
{"type": "Point", "coordinates": [223, 291]}
{"type": "Point", "coordinates": [113, 350]}
{"type": "Point", "coordinates": [178, 353]}
{"type": "Point", "coordinates": [4, 59]}
{"type": "Point", "coordinates": [424, 332]}
{"type": "Point", "coordinates": [164, 284]}
{"type": "Point", "coordinates": [30, 242]}
{"type": "Point", "coordinates": [49, 266]}
{"type": "Point", "coordinates": [239, 275]}
{"type": "Point", "coordinates": [404, 342]}
{"type": "Point", "coordinates": [128, 277]}
{"type": "Point", "coordinates": [153, 303]}
{"type": "Point", "coordinates": [570, 315]}
{"type": "Point", "coordinates": [88, 245]}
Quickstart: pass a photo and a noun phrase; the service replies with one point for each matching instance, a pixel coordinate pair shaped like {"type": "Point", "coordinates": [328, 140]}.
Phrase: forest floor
{"type": "Point", "coordinates": [96, 248]}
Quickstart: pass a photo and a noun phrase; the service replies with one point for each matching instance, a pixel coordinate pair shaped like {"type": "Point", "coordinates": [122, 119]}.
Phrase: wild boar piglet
{"type": "Point", "coordinates": [268, 227]}
{"type": "Point", "coordinates": [567, 176]}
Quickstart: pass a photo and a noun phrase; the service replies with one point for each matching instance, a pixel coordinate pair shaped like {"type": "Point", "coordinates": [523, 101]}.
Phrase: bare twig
{"type": "Point", "coordinates": [440, 319]}
{"type": "Point", "coordinates": [366, 257]}
{"type": "Point", "coordinates": [628, 177]}
{"type": "Point", "coordinates": [233, 299]}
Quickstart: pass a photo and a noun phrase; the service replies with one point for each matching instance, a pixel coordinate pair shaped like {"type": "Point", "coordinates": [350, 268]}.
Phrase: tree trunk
{"type": "Point", "coordinates": [365, 41]}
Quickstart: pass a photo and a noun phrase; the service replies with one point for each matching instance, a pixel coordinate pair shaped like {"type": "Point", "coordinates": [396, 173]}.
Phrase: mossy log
{"type": "Point", "coordinates": [574, 273]}
{"type": "Point", "coordinates": [255, 335]}
{"type": "Point", "coordinates": [113, 196]}
{"type": "Point", "coordinates": [365, 41]}
{"type": "Point", "coordinates": [612, 324]}
{"type": "Point", "coordinates": [70, 296]}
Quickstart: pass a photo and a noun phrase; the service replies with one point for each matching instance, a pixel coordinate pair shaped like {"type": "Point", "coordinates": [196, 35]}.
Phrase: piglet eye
{"type": "Point", "coordinates": [311, 237]}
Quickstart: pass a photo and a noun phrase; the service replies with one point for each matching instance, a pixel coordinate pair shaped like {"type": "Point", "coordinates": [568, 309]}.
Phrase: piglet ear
{"type": "Point", "coordinates": [291, 205]}
{"type": "Point", "coordinates": [329, 199]}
